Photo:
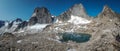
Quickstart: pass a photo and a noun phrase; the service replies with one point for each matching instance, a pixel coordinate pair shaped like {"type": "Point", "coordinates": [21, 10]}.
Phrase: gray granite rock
{"type": "Point", "coordinates": [41, 15]}
{"type": "Point", "coordinates": [76, 10]}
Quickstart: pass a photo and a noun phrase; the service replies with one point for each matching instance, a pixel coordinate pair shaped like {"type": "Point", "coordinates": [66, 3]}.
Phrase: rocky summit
{"type": "Point", "coordinates": [76, 10]}
{"type": "Point", "coordinates": [107, 12]}
{"type": "Point", "coordinates": [41, 15]}
{"type": "Point", "coordinates": [73, 30]}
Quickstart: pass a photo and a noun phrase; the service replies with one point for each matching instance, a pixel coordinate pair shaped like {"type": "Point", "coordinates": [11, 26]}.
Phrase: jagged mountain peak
{"type": "Point", "coordinates": [41, 15]}
{"type": "Point", "coordinates": [107, 9]}
{"type": "Point", "coordinates": [78, 5]}
{"type": "Point", "coordinates": [41, 9]}
{"type": "Point", "coordinates": [18, 20]}
{"type": "Point", "coordinates": [76, 10]}
{"type": "Point", "coordinates": [21, 25]}
{"type": "Point", "coordinates": [107, 12]}
{"type": "Point", "coordinates": [15, 23]}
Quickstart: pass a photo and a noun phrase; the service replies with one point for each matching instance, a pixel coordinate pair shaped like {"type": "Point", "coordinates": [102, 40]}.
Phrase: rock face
{"type": "Point", "coordinates": [76, 10]}
{"type": "Point", "coordinates": [10, 26]}
{"type": "Point", "coordinates": [108, 13]}
{"type": "Point", "coordinates": [41, 15]}
{"type": "Point", "coordinates": [14, 22]}
{"type": "Point", "coordinates": [22, 25]}
{"type": "Point", "coordinates": [2, 23]}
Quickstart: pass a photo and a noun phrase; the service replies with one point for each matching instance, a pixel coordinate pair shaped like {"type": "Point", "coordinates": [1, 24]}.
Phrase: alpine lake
{"type": "Point", "coordinates": [75, 37]}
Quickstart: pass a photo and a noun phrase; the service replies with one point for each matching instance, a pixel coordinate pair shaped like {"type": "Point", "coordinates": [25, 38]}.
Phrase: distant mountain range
{"type": "Point", "coordinates": [41, 15]}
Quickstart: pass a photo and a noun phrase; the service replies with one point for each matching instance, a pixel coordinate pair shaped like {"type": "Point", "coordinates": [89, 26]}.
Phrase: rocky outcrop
{"type": "Point", "coordinates": [108, 13]}
{"type": "Point", "coordinates": [76, 10]}
{"type": "Point", "coordinates": [33, 21]}
{"type": "Point", "coordinates": [10, 26]}
{"type": "Point", "coordinates": [14, 22]}
{"type": "Point", "coordinates": [2, 23]}
{"type": "Point", "coordinates": [41, 15]}
{"type": "Point", "coordinates": [106, 31]}
{"type": "Point", "coordinates": [22, 25]}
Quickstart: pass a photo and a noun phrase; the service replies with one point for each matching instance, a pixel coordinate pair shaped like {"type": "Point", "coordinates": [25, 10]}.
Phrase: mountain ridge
{"type": "Point", "coordinates": [42, 15]}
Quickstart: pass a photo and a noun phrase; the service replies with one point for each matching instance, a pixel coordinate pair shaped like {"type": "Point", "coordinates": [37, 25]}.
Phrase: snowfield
{"type": "Point", "coordinates": [34, 28]}
{"type": "Point", "coordinates": [11, 29]}
{"type": "Point", "coordinates": [38, 26]}
{"type": "Point", "coordinates": [78, 20]}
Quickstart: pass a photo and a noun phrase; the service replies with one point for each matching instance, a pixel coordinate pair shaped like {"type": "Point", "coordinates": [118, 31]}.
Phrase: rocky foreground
{"type": "Point", "coordinates": [102, 39]}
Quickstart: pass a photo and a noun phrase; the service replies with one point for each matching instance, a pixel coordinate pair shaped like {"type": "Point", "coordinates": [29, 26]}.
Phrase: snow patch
{"type": "Point", "coordinates": [106, 30]}
{"type": "Point", "coordinates": [71, 50]}
{"type": "Point", "coordinates": [20, 31]}
{"type": "Point", "coordinates": [34, 42]}
{"type": "Point", "coordinates": [38, 26]}
{"type": "Point", "coordinates": [60, 21]}
{"type": "Point", "coordinates": [54, 40]}
{"type": "Point", "coordinates": [34, 14]}
{"type": "Point", "coordinates": [56, 21]}
{"type": "Point", "coordinates": [19, 41]}
{"type": "Point", "coordinates": [111, 20]}
{"type": "Point", "coordinates": [78, 20]}
{"type": "Point", "coordinates": [57, 37]}
{"type": "Point", "coordinates": [35, 28]}
{"type": "Point", "coordinates": [71, 30]}
{"type": "Point", "coordinates": [59, 29]}
{"type": "Point", "coordinates": [6, 23]}
{"type": "Point", "coordinates": [53, 16]}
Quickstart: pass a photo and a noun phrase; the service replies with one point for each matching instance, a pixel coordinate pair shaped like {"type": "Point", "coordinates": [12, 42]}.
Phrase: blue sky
{"type": "Point", "coordinates": [12, 9]}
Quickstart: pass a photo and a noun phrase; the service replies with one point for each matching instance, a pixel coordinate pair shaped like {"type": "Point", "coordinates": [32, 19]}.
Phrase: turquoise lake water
{"type": "Point", "coordinates": [76, 37]}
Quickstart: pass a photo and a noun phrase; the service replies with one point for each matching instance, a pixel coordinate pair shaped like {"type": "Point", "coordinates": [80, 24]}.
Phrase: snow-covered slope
{"type": "Point", "coordinates": [78, 20]}
{"type": "Point", "coordinates": [33, 28]}
{"type": "Point", "coordinates": [4, 28]}
{"type": "Point", "coordinates": [14, 26]}
{"type": "Point", "coordinates": [10, 26]}
{"type": "Point", "coordinates": [37, 26]}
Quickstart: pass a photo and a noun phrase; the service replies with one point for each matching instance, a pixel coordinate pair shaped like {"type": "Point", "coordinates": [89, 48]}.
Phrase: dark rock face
{"type": "Point", "coordinates": [41, 15]}
{"type": "Point", "coordinates": [65, 16]}
{"type": "Point", "coordinates": [16, 21]}
{"type": "Point", "coordinates": [33, 21]}
{"type": "Point", "coordinates": [2, 23]}
{"type": "Point", "coordinates": [10, 24]}
{"type": "Point", "coordinates": [118, 38]}
{"type": "Point", "coordinates": [21, 25]}
{"type": "Point", "coordinates": [76, 10]}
